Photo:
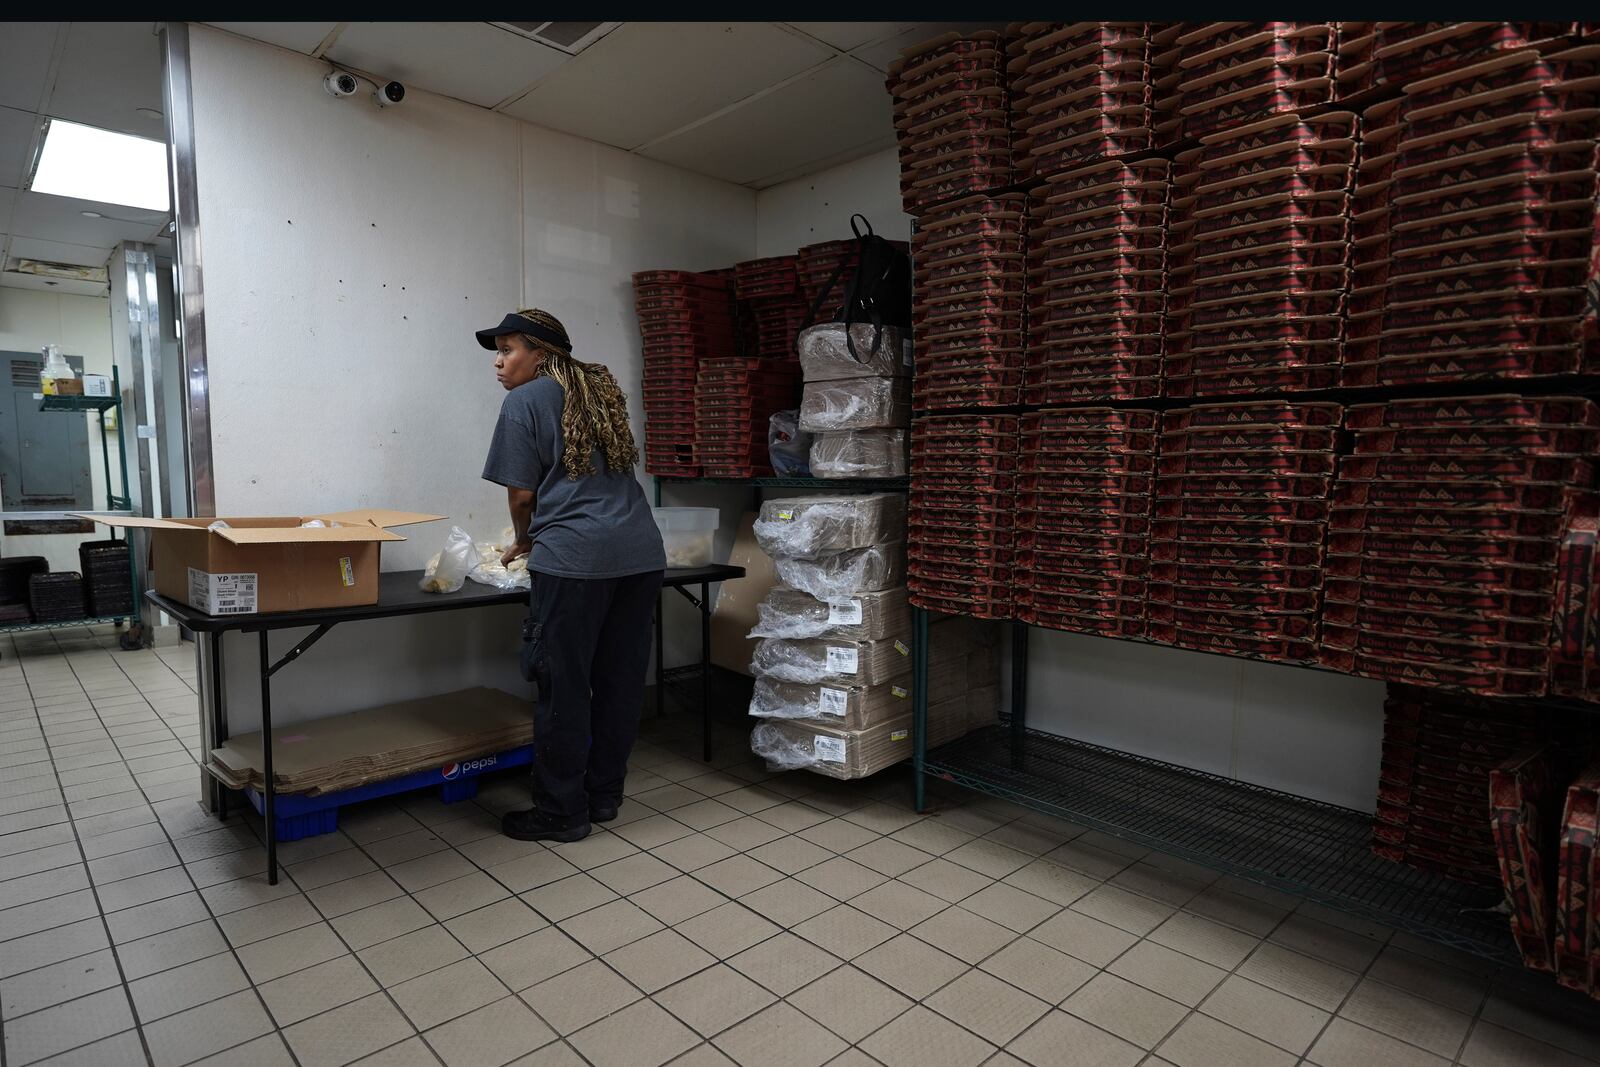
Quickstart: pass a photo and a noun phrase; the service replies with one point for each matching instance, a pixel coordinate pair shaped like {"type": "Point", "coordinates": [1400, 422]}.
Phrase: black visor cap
{"type": "Point", "coordinates": [518, 324]}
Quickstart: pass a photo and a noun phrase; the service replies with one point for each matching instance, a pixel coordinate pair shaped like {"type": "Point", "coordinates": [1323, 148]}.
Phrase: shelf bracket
{"type": "Point", "coordinates": [294, 653]}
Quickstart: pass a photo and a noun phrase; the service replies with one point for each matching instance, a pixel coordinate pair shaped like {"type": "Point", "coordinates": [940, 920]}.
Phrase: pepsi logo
{"type": "Point", "coordinates": [450, 770]}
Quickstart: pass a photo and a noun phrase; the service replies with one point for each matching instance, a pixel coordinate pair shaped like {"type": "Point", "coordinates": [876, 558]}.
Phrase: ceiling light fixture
{"type": "Point", "coordinates": [93, 164]}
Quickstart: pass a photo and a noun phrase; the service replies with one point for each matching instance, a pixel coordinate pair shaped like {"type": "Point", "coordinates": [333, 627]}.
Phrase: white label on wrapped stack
{"type": "Point", "coordinates": [843, 660]}
{"type": "Point", "coordinates": [844, 613]}
{"type": "Point", "coordinates": [828, 749]}
{"type": "Point", "coordinates": [832, 701]}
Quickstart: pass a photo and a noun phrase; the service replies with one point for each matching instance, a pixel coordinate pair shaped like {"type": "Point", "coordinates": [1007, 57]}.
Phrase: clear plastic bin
{"type": "Point", "coordinates": [688, 533]}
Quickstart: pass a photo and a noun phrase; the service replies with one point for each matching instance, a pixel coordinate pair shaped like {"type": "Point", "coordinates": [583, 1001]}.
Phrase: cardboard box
{"type": "Point", "coordinates": [270, 564]}
{"type": "Point", "coordinates": [793, 613]}
{"type": "Point", "coordinates": [96, 385]}
{"type": "Point", "coordinates": [846, 754]}
{"type": "Point", "coordinates": [738, 600]}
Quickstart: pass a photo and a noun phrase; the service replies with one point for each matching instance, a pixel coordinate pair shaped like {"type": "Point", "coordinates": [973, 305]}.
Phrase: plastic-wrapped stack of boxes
{"type": "Point", "coordinates": [1476, 224]}
{"type": "Point", "coordinates": [1081, 92]}
{"type": "Point", "coordinates": [1259, 255]}
{"type": "Point", "coordinates": [970, 259]}
{"type": "Point", "coordinates": [857, 399]}
{"type": "Point", "coordinates": [769, 292]}
{"type": "Point", "coordinates": [1084, 492]}
{"type": "Point", "coordinates": [684, 318]}
{"type": "Point", "coordinates": [962, 522]}
{"type": "Point", "coordinates": [1226, 73]}
{"type": "Point", "coordinates": [950, 111]}
{"type": "Point", "coordinates": [834, 662]}
{"type": "Point", "coordinates": [733, 403]}
{"type": "Point", "coordinates": [1443, 551]}
{"type": "Point", "coordinates": [1096, 284]}
{"type": "Point", "coordinates": [1236, 550]}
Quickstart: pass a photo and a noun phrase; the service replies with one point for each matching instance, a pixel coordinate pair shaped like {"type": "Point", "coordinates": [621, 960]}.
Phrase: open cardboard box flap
{"type": "Point", "coordinates": [365, 524]}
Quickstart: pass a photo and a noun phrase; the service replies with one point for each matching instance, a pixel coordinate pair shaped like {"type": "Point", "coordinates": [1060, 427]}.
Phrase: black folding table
{"type": "Point", "coordinates": [398, 594]}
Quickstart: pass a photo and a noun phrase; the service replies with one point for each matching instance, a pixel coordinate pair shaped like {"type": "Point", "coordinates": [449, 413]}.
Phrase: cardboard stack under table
{"type": "Point", "coordinates": [1096, 284]}
{"type": "Point", "coordinates": [1433, 783]}
{"type": "Point", "coordinates": [769, 292]}
{"type": "Point", "coordinates": [1228, 73]}
{"type": "Point", "coordinates": [734, 400]}
{"type": "Point", "coordinates": [1236, 545]}
{"type": "Point", "coordinates": [1082, 92]}
{"type": "Point", "coordinates": [961, 528]}
{"type": "Point", "coordinates": [1577, 935]}
{"type": "Point", "coordinates": [951, 116]}
{"type": "Point", "coordinates": [1444, 540]}
{"type": "Point", "coordinates": [345, 751]}
{"type": "Point", "coordinates": [968, 304]}
{"type": "Point", "coordinates": [1084, 489]}
{"type": "Point", "coordinates": [1258, 257]}
{"type": "Point", "coordinates": [1475, 225]}
{"type": "Point", "coordinates": [684, 317]}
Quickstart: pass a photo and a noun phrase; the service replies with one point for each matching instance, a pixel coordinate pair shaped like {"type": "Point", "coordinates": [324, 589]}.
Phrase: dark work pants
{"type": "Point", "coordinates": [591, 649]}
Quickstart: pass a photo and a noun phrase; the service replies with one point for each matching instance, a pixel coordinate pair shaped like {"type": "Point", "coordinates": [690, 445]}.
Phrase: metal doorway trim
{"type": "Point", "coordinates": [179, 101]}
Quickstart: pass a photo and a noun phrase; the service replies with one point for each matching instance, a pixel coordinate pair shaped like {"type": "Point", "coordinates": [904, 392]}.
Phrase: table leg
{"type": "Point", "coordinates": [268, 792]}
{"type": "Point", "coordinates": [919, 708]}
{"type": "Point", "coordinates": [219, 722]}
{"type": "Point", "coordinates": [705, 668]}
{"type": "Point", "coordinates": [661, 673]}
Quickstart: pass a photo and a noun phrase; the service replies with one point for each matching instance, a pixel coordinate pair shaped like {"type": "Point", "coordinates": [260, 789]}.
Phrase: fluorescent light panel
{"type": "Point", "coordinates": [94, 164]}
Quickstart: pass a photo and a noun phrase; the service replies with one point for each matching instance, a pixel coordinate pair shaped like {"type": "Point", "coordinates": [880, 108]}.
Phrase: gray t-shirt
{"type": "Point", "coordinates": [594, 526]}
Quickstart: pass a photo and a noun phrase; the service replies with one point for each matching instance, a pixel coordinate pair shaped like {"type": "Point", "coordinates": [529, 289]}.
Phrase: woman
{"type": "Point", "coordinates": [565, 454]}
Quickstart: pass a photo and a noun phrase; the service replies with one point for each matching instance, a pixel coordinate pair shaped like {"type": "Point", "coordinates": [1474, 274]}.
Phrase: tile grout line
{"type": "Point", "coordinates": [105, 924]}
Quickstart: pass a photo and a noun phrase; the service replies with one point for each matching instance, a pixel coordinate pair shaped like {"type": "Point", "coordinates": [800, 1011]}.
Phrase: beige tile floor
{"type": "Point", "coordinates": [729, 915]}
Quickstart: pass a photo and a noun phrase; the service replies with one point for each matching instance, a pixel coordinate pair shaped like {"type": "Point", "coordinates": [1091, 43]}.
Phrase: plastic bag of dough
{"type": "Point", "coordinates": [458, 557]}
{"type": "Point", "coordinates": [513, 575]}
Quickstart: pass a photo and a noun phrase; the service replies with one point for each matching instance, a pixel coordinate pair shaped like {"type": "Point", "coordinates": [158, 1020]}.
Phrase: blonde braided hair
{"type": "Point", "coordinates": [595, 413]}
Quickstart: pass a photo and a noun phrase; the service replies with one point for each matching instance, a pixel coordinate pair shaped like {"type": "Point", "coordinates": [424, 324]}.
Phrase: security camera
{"type": "Point", "coordinates": [389, 93]}
{"type": "Point", "coordinates": [340, 83]}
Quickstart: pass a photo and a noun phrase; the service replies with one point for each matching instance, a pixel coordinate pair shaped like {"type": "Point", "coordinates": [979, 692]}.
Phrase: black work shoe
{"type": "Point", "coordinates": [604, 813]}
{"type": "Point", "coordinates": [533, 825]}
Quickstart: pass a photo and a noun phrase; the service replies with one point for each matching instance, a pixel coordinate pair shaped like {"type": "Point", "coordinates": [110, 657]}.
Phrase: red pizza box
{"type": "Point", "coordinates": [976, 591]}
{"type": "Point", "coordinates": [1249, 646]}
{"type": "Point", "coordinates": [1089, 484]}
{"type": "Point", "coordinates": [1442, 625]}
{"type": "Point", "coordinates": [1438, 650]}
{"type": "Point", "coordinates": [1499, 410]}
{"type": "Point", "coordinates": [1044, 561]}
{"type": "Point", "coordinates": [1411, 466]}
{"type": "Point", "coordinates": [1440, 573]}
{"type": "Point", "coordinates": [1501, 440]}
{"type": "Point", "coordinates": [1577, 931]}
{"type": "Point", "coordinates": [1459, 548]}
{"type": "Point", "coordinates": [1240, 462]}
{"type": "Point", "coordinates": [1482, 602]}
{"type": "Point", "coordinates": [1294, 626]}
{"type": "Point", "coordinates": [1091, 390]}
{"type": "Point", "coordinates": [1239, 575]}
{"type": "Point", "coordinates": [1458, 366]}
{"type": "Point", "coordinates": [1247, 437]}
{"type": "Point", "coordinates": [1487, 681]}
{"type": "Point", "coordinates": [1227, 508]}
{"type": "Point", "coordinates": [1087, 523]}
{"type": "Point", "coordinates": [1421, 519]}
{"type": "Point", "coordinates": [1233, 598]}
{"type": "Point", "coordinates": [1239, 531]}
{"type": "Point", "coordinates": [1056, 576]}
{"type": "Point", "coordinates": [1223, 554]}
{"type": "Point", "coordinates": [1244, 486]}
{"type": "Point", "coordinates": [1042, 423]}
{"type": "Point", "coordinates": [971, 464]}
{"type": "Point", "coordinates": [1048, 600]}
{"type": "Point", "coordinates": [1521, 798]}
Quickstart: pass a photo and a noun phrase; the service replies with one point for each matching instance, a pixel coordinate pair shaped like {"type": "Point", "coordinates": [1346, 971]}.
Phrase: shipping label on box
{"type": "Point", "coordinates": [223, 594]}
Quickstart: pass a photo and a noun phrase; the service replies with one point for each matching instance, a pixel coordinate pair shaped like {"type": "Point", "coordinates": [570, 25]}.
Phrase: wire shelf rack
{"type": "Point", "coordinates": [1304, 847]}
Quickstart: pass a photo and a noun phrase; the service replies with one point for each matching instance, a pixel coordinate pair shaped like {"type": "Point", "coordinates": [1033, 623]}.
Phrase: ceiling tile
{"type": "Point", "coordinates": [25, 49]}
{"type": "Point", "coordinates": [107, 71]}
{"type": "Point", "coordinates": [780, 133]}
{"type": "Point", "coordinates": [646, 79]}
{"type": "Point", "coordinates": [57, 252]}
{"type": "Point", "coordinates": [296, 36]}
{"type": "Point", "coordinates": [471, 61]}
{"type": "Point", "coordinates": [60, 218]}
{"type": "Point", "coordinates": [847, 35]}
{"type": "Point", "coordinates": [16, 139]}
{"type": "Point", "coordinates": [883, 52]}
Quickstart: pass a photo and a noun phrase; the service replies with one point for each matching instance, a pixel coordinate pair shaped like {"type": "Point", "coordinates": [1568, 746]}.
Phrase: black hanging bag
{"type": "Point", "coordinates": [878, 289]}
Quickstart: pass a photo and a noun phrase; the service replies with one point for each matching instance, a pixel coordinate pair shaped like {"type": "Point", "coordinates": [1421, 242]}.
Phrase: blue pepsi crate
{"type": "Point", "coordinates": [302, 816]}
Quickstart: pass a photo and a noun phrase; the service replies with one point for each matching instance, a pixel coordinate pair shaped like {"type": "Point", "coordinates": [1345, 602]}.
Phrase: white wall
{"type": "Point", "coordinates": [818, 208]}
{"type": "Point", "coordinates": [349, 254]}
{"type": "Point", "coordinates": [81, 325]}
